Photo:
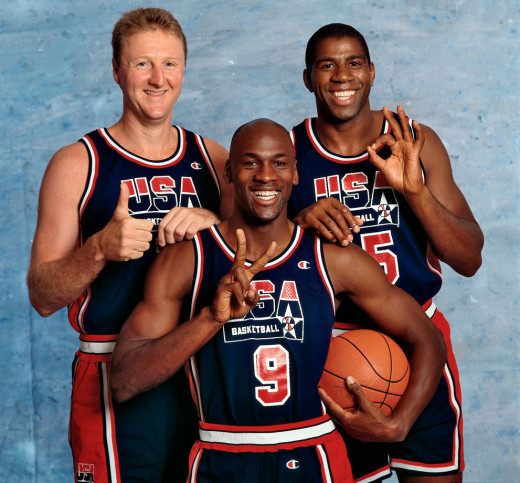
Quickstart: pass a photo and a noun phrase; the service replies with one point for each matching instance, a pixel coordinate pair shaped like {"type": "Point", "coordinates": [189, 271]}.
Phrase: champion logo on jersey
{"type": "Point", "coordinates": [293, 464]}
{"type": "Point", "coordinates": [304, 265]}
{"type": "Point", "coordinates": [196, 165]}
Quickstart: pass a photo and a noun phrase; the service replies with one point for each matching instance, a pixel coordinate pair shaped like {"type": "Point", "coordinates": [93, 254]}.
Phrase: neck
{"type": "Point", "coordinates": [352, 136]}
{"type": "Point", "coordinates": [155, 140]}
{"type": "Point", "coordinates": [259, 237]}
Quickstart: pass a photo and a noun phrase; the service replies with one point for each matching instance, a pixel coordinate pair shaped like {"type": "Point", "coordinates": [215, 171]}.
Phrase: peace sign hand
{"type": "Point", "coordinates": [403, 168]}
{"type": "Point", "coordinates": [234, 297]}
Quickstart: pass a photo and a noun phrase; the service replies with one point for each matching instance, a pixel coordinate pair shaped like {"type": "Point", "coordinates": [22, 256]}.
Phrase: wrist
{"type": "Point", "coordinates": [417, 197]}
{"type": "Point", "coordinates": [397, 429]}
{"type": "Point", "coordinates": [94, 246]}
{"type": "Point", "coordinates": [208, 314]}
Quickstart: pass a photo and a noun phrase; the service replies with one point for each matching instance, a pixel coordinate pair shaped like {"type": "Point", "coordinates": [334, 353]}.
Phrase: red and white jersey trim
{"type": "Point", "coordinates": [230, 253]}
{"type": "Point", "coordinates": [177, 156]}
{"type": "Point", "coordinates": [266, 435]}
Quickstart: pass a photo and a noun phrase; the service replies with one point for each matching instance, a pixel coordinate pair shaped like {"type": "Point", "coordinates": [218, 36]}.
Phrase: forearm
{"type": "Point", "coordinates": [57, 283]}
{"type": "Point", "coordinates": [138, 365]}
{"type": "Point", "coordinates": [426, 365]}
{"type": "Point", "coordinates": [455, 240]}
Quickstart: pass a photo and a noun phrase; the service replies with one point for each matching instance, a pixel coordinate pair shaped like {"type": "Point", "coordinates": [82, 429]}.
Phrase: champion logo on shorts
{"type": "Point", "coordinates": [85, 473]}
{"type": "Point", "coordinates": [293, 464]}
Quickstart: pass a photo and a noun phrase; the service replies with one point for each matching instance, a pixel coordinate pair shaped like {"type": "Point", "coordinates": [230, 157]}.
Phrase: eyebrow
{"type": "Point", "coordinates": [257, 155]}
{"type": "Point", "coordinates": [350, 57]}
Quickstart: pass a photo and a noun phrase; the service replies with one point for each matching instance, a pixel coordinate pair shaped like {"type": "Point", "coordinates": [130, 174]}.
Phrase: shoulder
{"type": "Point", "coordinates": [216, 151]}
{"type": "Point", "coordinates": [350, 268]}
{"type": "Point", "coordinates": [434, 156]}
{"type": "Point", "coordinates": [68, 167]}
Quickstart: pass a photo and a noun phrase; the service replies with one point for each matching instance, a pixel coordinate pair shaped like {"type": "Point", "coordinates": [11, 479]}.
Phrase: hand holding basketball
{"type": "Point", "coordinates": [368, 423]}
{"type": "Point", "coordinates": [365, 374]}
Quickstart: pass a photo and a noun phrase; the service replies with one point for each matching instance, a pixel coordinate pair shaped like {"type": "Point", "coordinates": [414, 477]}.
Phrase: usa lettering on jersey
{"type": "Point", "coordinates": [374, 202]}
{"type": "Point", "coordinates": [275, 316]}
{"type": "Point", "coordinates": [160, 194]}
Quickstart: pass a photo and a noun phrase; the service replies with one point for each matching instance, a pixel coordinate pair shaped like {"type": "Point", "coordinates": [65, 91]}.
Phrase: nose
{"type": "Point", "coordinates": [265, 173]}
{"type": "Point", "coordinates": [156, 75]}
{"type": "Point", "coordinates": [342, 73]}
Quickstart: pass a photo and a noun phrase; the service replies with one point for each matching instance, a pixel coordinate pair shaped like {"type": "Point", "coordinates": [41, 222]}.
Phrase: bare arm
{"type": "Point", "coordinates": [183, 223]}
{"type": "Point", "coordinates": [438, 203]}
{"type": "Point", "coordinates": [398, 315]}
{"type": "Point", "coordinates": [152, 346]}
{"type": "Point", "coordinates": [58, 273]}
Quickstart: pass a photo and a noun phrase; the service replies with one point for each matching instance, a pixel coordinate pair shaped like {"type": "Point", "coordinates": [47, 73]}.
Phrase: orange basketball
{"type": "Point", "coordinates": [374, 360]}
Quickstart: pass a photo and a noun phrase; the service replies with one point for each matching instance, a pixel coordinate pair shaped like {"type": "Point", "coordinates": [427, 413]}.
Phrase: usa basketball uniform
{"type": "Point", "coordinates": [149, 437]}
{"type": "Point", "coordinates": [392, 234]}
{"type": "Point", "coordinates": [256, 381]}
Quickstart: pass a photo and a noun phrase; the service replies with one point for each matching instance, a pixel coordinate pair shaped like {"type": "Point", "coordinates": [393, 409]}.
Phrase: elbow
{"type": "Point", "coordinates": [42, 308]}
{"type": "Point", "coordinates": [471, 266]}
{"type": "Point", "coordinates": [118, 389]}
{"type": "Point", "coordinates": [474, 261]}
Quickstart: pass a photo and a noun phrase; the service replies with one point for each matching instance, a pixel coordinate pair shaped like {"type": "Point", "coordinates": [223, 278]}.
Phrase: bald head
{"type": "Point", "coordinates": [257, 128]}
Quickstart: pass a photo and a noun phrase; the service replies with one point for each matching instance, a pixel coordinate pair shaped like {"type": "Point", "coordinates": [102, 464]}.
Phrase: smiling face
{"type": "Point", "coordinates": [340, 78]}
{"type": "Point", "coordinates": [150, 73]}
{"type": "Point", "coordinates": [263, 169]}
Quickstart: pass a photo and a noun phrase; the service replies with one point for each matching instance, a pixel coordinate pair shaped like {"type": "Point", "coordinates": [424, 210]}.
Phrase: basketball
{"type": "Point", "coordinates": [377, 363]}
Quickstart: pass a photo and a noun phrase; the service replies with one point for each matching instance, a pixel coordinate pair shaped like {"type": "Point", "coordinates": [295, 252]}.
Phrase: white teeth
{"type": "Point", "coordinates": [265, 195]}
{"type": "Point", "coordinates": [343, 94]}
{"type": "Point", "coordinates": [153, 93]}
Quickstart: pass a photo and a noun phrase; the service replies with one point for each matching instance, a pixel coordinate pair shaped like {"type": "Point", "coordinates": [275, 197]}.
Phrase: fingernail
{"type": "Point", "coordinates": [351, 380]}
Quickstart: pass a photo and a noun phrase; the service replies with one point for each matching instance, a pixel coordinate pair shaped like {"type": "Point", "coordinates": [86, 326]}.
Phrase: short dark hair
{"type": "Point", "coordinates": [335, 31]}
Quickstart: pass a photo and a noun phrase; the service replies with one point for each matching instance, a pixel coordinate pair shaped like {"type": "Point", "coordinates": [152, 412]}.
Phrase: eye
{"type": "Point", "coordinates": [141, 65]}
{"type": "Point", "coordinates": [326, 65]}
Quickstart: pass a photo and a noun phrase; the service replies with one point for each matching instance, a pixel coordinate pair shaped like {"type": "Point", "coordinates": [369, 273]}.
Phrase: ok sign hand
{"type": "Point", "coordinates": [403, 168]}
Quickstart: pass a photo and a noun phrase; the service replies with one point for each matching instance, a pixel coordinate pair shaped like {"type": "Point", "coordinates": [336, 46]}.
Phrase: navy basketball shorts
{"type": "Point", "coordinates": [298, 453]}
{"type": "Point", "coordinates": [147, 438]}
{"type": "Point", "coordinates": [434, 446]}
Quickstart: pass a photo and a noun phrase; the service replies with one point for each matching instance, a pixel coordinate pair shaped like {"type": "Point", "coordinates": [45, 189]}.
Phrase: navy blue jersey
{"type": "Point", "coordinates": [187, 178]}
{"type": "Point", "coordinates": [391, 232]}
{"type": "Point", "coordinates": [264, 369]}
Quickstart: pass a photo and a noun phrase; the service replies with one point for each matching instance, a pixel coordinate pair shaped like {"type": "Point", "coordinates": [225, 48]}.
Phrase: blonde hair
{"type": "Point", "coordinates": [143, 19]}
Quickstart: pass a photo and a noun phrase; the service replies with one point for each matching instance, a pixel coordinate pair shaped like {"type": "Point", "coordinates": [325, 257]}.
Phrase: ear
{"type": "Point", "coordinates": [307, 80]}
{"type": "Point", "coordinates": [372, 73]}
{"type": "Point", "coordinates": [227, 173]}
{"type": "Point", "coordinates": [115, 71]}
{"type": "Point", "coordinates": [296, 178]}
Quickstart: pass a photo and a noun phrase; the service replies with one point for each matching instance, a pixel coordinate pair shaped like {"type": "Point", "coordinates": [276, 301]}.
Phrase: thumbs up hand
{"type": "Point", "coordinates": [124, 238]}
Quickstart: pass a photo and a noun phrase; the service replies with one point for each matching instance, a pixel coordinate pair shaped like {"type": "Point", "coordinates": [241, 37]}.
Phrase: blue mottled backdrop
{"type": "Point", "coordinates": [452, 63]}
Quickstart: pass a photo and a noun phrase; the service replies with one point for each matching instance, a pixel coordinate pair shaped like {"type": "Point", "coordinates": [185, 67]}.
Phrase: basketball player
{"type": "Point", "coordinates": [410, 214]}
{"type": "Point", "coordinates": [107, 203]}
{"type": "Point", "coordinates": [259, 331]}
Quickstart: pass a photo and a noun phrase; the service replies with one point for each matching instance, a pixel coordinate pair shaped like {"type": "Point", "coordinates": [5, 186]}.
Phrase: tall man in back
{"type": "Point", "coordinates": [408, 212]}
{"type": "Point", "coordinates": [107, 204]}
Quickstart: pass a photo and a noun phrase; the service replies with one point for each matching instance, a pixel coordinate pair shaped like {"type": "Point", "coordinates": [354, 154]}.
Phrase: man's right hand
{"type": "Point", "coordinates": [124, 238]}
{"type": "Point", "coordinates": [330, 218]}
{"type": "Point", "coordinates": [234, 297]}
